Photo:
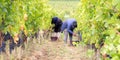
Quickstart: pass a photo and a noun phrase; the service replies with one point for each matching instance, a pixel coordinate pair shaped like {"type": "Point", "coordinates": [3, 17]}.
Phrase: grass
{"type": "Point", "coordinates": [64, 7]}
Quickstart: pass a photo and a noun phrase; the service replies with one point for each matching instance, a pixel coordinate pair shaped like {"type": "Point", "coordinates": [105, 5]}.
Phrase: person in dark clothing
{"type": "Point", "coordinates": [69, 25]}
{"type": "Point", "coordinates": [57, 25]}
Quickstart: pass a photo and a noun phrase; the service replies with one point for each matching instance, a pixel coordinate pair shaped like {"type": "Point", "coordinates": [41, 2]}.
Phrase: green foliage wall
{"type": "Point", "coordinates": [99, 20]}
{"type": "Point", "coordinates": [12, 12]}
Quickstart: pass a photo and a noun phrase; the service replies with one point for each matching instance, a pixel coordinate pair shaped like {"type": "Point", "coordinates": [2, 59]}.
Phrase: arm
{"type": "Point", "coordinates": [69, 30]}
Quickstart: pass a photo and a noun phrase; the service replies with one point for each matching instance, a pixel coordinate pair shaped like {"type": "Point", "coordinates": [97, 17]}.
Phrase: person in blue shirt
{"type": "Point", "coordinates": [68, 27]}
{"type": "Point", "coordinates": [57, 22]}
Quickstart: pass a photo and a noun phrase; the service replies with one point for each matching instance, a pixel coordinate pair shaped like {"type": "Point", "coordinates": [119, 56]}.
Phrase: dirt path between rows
{"type": "Point", "coordinates": [58, 51]}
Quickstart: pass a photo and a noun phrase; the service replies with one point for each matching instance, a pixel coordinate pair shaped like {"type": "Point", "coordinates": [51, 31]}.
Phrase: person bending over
{"type": "Point", "coordinates": [57, 22]}
{"type": "Point", "coordinates": [68, 26]}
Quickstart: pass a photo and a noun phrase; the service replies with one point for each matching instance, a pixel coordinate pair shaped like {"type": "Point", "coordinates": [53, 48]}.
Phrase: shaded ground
{"type": "Point", "coordinates": [58, 51]}
{"type": "Point", "coordinates": [48, 50]}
